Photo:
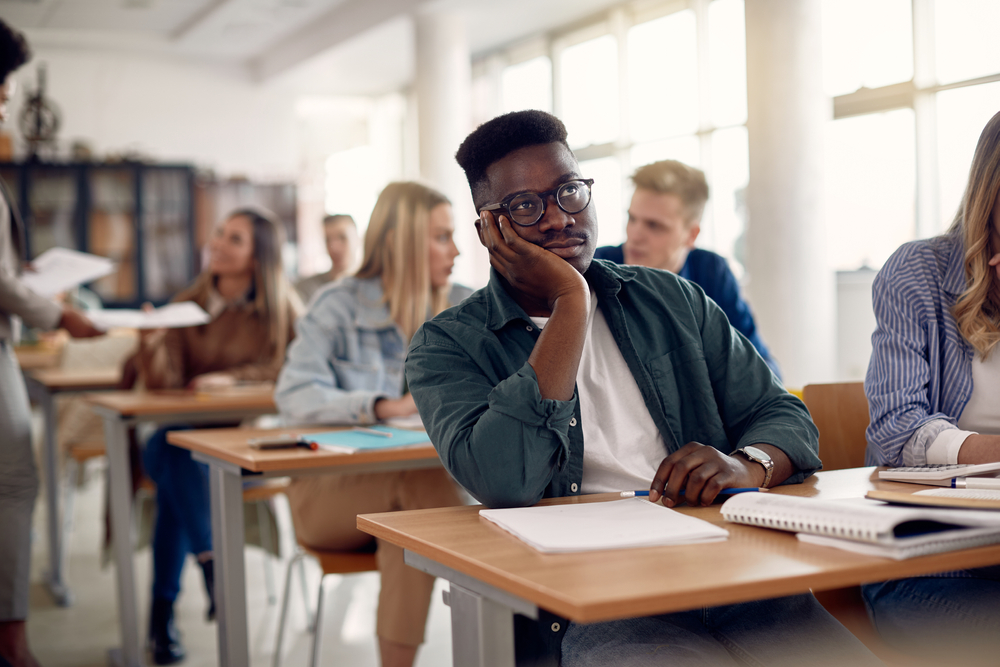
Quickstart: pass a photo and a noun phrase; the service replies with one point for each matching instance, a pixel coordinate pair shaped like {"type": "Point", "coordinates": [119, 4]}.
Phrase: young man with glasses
{"type": "Point", "coordinates": [566, 376]}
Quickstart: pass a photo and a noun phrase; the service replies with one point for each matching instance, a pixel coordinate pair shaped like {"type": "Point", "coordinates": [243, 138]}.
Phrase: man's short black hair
{"type": "Point", "coordinates": [497, 138]}
{"type": "Point", "coordinates": [14, 50]}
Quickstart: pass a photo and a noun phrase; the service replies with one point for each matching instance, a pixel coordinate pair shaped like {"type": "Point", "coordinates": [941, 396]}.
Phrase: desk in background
{"type": "Point", "coordinates": [122, 409]}
{"type": "Point", "coordinates": [43, 385]}
{"type": "Point", "coordinates": [494, 575]}
{"type": "Point", "coordinates": [231, 460]}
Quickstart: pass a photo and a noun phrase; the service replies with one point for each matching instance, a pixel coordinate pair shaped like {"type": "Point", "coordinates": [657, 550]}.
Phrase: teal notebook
{"type": "Point", "coordinates": [351, 441]}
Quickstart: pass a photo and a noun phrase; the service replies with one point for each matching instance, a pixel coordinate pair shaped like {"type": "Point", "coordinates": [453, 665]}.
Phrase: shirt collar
{"type": "Point", "coordinates": [216, 304]}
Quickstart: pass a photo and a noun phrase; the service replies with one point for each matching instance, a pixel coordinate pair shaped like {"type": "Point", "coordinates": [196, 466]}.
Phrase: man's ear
{"type": "Point", "coordinates": [693, 230]}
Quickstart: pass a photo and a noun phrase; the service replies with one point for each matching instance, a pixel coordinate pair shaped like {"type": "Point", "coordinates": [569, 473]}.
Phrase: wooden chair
{"type": "Point", "coordinates": [331, 562]}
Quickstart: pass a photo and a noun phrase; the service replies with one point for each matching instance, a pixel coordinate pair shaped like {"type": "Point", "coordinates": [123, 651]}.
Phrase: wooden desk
{"type": "Point", "coordinates": [494, 575]}
{"type": "Point", "coordinates": [34, 357]}
{"type": "Point", "coordinates": [122, 409]}
{"type": "Point", "coordinates": [231, 460]}
{"type": "Point", "coordinates": [43, 385]}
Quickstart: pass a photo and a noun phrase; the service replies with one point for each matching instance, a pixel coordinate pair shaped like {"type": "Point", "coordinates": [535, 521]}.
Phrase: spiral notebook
{"type": "Point", "coordinates": [867, 527]}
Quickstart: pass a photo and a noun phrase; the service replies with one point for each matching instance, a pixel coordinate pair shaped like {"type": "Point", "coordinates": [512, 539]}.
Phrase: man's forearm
{"type": "Point", "coordinates": [556, 356]}
{"type": "Point", "coordinates": [980, 448]}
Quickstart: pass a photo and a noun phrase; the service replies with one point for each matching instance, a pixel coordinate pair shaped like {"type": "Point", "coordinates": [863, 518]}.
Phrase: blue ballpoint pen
{"type": "Point", "coordinates": [724, 492]}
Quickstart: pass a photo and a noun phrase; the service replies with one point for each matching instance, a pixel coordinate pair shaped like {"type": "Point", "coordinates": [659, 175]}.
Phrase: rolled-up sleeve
{"type": "Point", "coordinates": [493, 430]}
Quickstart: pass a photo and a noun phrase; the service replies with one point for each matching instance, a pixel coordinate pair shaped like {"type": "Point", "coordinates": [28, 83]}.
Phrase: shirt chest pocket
{"type": "Point", "coordinates": [684, 390]}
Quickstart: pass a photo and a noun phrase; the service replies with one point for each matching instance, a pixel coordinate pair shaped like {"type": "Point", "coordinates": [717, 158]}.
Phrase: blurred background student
{"type": "Point", "coordinates": [341, 236]}
{"type": "Point", "coordinates": [253, 308]}
{"type": "Point", "coordinates": [18, 477]}
{"type": "Point", "coordinates": [346, 367]}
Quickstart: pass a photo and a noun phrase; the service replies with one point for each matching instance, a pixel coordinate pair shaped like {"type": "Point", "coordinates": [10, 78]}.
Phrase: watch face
{"type": "Point", "coordinates": [758, 454]}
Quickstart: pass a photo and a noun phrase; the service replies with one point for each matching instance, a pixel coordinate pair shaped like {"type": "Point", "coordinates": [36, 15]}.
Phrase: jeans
{"type": "Point", "coordinates": [183, 515]}
{"type": "Point", "coordinates": [952, 615]}
{"type": "Point", "coordinates": [793, 630]}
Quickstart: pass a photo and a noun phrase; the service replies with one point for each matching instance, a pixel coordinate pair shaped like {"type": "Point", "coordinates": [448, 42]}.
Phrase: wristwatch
{"type": "Point", "coordinates": [761, 457]}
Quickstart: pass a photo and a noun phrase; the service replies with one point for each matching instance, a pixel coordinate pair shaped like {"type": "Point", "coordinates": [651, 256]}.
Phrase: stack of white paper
{"type": "Point", "coordinates": [619, 524]}
{"type": "Point", "coordinates": [60, 269]}
{"type": "Point", "coordinates": [170, 316]}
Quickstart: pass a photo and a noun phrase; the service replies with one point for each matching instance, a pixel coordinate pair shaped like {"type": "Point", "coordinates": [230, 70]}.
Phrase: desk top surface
{"type": "Point", "coordinates": [58, 379]}
{"type": "Point", "coordinates": [753, 563]}
{"type": "Point", "coordinates": [230, 445]}
{"type": "Point", "coordinates": [183, 401]}
{"type": "Point", "coordinates": [33, 357]}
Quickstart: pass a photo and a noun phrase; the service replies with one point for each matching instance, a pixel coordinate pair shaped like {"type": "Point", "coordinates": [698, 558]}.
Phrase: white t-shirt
{"type": "Point", "coordinates": [981, 414]}
{"type": "Point", "coordinates": [622, 446]}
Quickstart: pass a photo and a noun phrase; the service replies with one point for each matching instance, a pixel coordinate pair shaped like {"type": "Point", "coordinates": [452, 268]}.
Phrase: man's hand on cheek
{"type": "Point", "coordinates": [701, 472]}
{"type": "Point", "coordinates": [529, 268]}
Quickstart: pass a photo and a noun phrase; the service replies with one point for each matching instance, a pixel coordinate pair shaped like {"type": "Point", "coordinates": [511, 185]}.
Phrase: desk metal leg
{"type": "Point", "coordinates": [120, 482]}
{"type": "Point", "coordinates": [230, 577]}
{"type": "Point", "coordinates": [55, 577]}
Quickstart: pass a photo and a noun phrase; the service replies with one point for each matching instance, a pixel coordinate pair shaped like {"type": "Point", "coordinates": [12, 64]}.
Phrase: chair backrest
{"type": "Point", "coordinates": [840, 412]}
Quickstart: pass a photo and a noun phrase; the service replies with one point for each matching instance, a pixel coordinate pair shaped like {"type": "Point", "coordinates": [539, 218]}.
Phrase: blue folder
{"type": "Point", "coordinates": [356, 441]}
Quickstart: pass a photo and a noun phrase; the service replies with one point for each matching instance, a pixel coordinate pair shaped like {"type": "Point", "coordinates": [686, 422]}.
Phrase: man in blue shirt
{"type": "Point", "coordinates": [664, 220]}
{"type": "Point", "coordinates": [566, 376]}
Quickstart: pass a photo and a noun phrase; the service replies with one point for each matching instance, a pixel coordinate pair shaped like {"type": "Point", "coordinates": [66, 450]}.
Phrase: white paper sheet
{"type": "Point", "coordinates": [59, 269]}
{"type": "Point", "coordinates": [170, 316]}
{"type": "Point", "coordinates": [619, 524]}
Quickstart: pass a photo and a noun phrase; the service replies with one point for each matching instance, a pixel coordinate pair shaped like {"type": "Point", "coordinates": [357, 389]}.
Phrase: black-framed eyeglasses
{"type": "Point", "coordinates": [527, 208]}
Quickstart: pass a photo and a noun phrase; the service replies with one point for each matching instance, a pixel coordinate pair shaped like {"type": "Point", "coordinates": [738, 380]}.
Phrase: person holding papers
{"type": "Point", "coordinates": [253, 308]}
{"type": "Point", "coordinates": [18, 477]}
{"type": "Point", "coordinates": [567, 375]}
{"type": "Point", "coordinates": [346, 367]}
{"type": "Point", "coordinates": [932, 387]}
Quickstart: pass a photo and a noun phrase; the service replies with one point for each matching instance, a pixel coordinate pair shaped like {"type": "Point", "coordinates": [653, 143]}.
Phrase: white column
{"type": "Point", "coordinates": [791, 287]}
{"type": "Point", "coordinates": [444, 119]}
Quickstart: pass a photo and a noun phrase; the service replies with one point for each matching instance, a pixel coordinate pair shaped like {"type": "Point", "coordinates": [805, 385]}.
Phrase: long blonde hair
{"type": "Point", "coordinates": [396, 243]}
{"type": "Point", "coordinates": [977, 309]}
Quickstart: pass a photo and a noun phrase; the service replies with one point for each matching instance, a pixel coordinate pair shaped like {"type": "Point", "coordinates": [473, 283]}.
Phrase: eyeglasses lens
{"type": "Point", "coordinates": [572, 197]}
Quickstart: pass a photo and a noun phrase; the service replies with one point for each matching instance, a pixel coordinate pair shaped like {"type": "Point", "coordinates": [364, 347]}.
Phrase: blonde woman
{"type": "Point", "coordinates": [932, 387]}
{"type": "Point", "coordinates": [346, 367]}
{"type": "Point", "coordinates": [253, 308]}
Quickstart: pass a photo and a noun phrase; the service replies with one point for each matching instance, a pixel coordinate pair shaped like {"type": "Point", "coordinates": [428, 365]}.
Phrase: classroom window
{"type": "Point", "coordinates": [866, 44]}
{"type": "Point", "coordinates": [965, 39]}
{"type": "Point", "coordinates": [588, 81]}
{"type": "Point", "coordinates": [527, 85]}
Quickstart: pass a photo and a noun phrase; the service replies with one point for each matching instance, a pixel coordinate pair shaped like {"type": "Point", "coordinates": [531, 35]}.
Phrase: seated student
{"type": "Point", "coordinates": [253, 308]}
{"type": "Point", "coordinates": [341, 237]}
{"type": "Point", "coordinates": [567, 376]}
{"type": "Point", "coordinates": [346, 367]}
{"type": "Point", "coordinates": [932, 388]}
{"type": "Point", "coordinates": [664, 220]}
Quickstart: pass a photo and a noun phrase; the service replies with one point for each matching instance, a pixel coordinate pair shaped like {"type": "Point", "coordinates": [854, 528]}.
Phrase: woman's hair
{"type": "Point", "coordinates": [273, 295]}
{"type": "Point", "coordinates": [977, 310]}
{"type": "Point", "coordinates": [396, 251]}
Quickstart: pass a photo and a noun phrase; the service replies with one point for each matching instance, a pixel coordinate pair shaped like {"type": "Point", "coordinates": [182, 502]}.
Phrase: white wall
{"type": "Point", "coordinates": [168, 109]}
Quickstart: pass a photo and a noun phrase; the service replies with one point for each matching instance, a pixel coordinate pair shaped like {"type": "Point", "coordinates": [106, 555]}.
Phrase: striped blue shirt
{"type": "Point", "coordinates": [920, 376]}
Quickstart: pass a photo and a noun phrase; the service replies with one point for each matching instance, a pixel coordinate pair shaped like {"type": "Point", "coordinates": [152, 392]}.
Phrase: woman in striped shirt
{"type": "Point", "coordinates": [933, 385]}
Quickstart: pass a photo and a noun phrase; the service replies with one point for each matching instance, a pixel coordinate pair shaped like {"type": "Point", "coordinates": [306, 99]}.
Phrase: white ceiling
{"type": "Point", "coordinates": [322, 46]}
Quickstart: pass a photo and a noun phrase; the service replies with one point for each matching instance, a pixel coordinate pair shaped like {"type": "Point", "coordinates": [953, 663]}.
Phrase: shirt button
{"type": "Point", "coordinates": [556, 627]}
{"type": "Point", "coordinates": [573, 487]}
{"type": "Point", "coordinates": [529, 328]}
{"type": "Point", "coordinates": [572, 422]}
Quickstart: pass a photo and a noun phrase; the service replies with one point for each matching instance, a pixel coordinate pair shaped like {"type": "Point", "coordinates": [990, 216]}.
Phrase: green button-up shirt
{"type": "Point", "coordinates": [700, 380]}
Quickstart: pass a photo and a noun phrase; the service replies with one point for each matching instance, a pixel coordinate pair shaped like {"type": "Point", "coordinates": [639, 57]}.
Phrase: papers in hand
{"type": "Point", "coordinates": [170, 316]}
{"type": "Point", "coordinates": [367, 439]}
{"type": "Point", "coordinates": [867, 527]}
{"type": "Point", "coordinates": [619, 524]}
{"type": "Point", "coordinates": [59, 269]}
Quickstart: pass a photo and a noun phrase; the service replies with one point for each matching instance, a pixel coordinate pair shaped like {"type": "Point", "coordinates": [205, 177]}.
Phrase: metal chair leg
{"type": "Point", "coordinates": [296, 558]}
{"type": "Point", "coordinates": [310, 618]}
{"type": "Point", "coordinates": [267, 542]}
{"type": "Point", "coordinates": [318, 632]}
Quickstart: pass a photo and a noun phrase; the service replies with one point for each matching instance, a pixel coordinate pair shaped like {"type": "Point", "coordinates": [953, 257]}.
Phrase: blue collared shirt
{"type": "Point", "coordinates": [919, 379]}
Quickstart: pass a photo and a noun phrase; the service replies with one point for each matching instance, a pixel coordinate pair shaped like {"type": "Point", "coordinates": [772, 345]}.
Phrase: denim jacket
{"type": "Point", "coordinates": [347, 353]}
{"type": "Point", "coordinates": [700, 380]}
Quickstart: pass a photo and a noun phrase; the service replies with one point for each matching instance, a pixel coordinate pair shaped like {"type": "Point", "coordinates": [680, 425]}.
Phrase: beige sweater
{"type": "Point", "coordinates": [235, 341]}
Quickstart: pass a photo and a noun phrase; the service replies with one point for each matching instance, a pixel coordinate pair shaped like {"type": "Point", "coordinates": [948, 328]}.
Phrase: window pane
{"type": "Point", "coordinates": [725, 216]}
{"type": "Point", "coordinates": [866, 44]}
{"type": "Point", "coordinates": [589, 86]}
{"type": "Point", "coordinates": [727, 58]}
{"type": "Point", "coordinates": [684, 149]}
{"type": "Point", "coordinates": [607, 175]}
{"type": "Point", "coordinates": [965, 33]}
{"type": "Point", "coordinates": [961, 116]}
{"type": "Point", "coordinates": [354, 179]}
{"type": "Point", "coordinates": [527, 85]}
{"type": "Point", "coordinates": [870, 188]}
{"type": "Point", "coordinates": [663, 77]}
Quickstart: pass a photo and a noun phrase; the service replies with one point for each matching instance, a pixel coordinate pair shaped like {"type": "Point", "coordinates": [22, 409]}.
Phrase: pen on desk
{"type": "Point", "coordinates": [308, 444]}
{"type": "Point", "coordinates": [724, 492]}
{"type": "Point", "coordinates": [372, 431]}
{"type": "Point", "coordinates": [975, 483]}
